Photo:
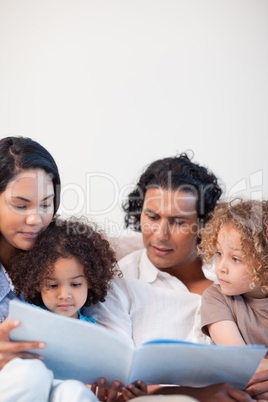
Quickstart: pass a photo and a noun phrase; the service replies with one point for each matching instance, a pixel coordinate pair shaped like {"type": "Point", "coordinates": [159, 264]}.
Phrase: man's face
{"type": "Point", "coordinates": [169, 226]}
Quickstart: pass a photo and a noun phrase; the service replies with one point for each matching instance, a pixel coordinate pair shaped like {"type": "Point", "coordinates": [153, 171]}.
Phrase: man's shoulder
{"type": "Point", "coordinates": [129, 264]}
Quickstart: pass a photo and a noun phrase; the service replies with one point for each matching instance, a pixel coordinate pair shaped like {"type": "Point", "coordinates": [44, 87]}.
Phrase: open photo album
{"type": "Point", "coordinates": [83, 351]}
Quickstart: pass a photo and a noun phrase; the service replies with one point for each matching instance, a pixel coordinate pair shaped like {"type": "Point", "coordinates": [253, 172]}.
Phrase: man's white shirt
{"type": "Point", "coordinates": [149, 304]}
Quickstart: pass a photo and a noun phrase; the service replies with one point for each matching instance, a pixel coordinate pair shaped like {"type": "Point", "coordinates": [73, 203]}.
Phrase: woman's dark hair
{"type": "Point", "coordinates": [65, 239]}
{"type": "Point", "coordinates": [174, 173]}
{"type": "Point", "coordinates": [18, 154]}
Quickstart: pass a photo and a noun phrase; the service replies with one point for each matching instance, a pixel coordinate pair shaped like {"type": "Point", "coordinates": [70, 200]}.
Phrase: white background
{"type": "Point", "coordinates": [108, 86]}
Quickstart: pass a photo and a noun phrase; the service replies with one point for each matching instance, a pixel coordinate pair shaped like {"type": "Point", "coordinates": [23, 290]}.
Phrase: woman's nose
{"type": "Point", "coordinates": [33, 219]}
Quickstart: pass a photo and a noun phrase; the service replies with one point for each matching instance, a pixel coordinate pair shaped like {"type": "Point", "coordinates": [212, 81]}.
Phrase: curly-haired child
{"type": "Point", "coordinates": [235, 311]}
{"type": "Point", "coordinates": [70, 265]}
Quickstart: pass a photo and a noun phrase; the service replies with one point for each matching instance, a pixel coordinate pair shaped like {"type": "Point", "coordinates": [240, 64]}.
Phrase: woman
{"type": "Point", "coordinates": [29, 198]}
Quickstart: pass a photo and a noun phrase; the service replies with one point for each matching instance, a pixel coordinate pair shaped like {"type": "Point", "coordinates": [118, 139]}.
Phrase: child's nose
{"type": "Point", "coordinates": [63, 293]}
{"type": "Point", "coordinates": [223, 266]}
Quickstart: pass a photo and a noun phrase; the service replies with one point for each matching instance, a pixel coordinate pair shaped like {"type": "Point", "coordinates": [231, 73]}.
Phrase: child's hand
{"type": "Point", "coordinates": [133, 390]}
{"type": "Point", "coordinates": [104, 394]}
{"type": "Point", "coordinates": [137, 388]}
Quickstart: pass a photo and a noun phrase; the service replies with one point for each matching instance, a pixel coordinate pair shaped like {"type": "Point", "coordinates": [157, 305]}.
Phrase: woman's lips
{"type": "Point", "coordinates": [29, 235]}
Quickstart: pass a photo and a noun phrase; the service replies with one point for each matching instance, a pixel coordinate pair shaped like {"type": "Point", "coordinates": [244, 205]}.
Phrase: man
{"type": "Point", "coordinates": [159, 295]}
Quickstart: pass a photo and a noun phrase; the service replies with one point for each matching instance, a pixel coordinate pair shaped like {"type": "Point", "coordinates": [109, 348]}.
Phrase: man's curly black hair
{"type": "Point", "coordinates": [65, 238]}
{"type": "Point", "coordinates": [174, 173]}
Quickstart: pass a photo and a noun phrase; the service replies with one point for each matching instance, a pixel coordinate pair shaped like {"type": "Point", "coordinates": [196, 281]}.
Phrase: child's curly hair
{"type": "Point", "coordinates": [250, 218]}
{"type": "Point", "coordinates": [65, 238]}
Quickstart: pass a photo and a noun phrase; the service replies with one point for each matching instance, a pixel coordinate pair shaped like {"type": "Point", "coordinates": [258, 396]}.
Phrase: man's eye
{"type": "Point", "coordinates": [152, 217]}
{"type": "Point", "coordinates": [179, 223]}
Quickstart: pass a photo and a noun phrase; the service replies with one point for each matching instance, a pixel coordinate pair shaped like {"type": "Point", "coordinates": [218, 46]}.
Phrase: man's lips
{"type": "Point", "coordinates": [161, 250]}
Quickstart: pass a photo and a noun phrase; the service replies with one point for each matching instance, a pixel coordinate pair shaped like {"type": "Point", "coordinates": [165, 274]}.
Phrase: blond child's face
{"type": "Point", "coordinates": [66, 289]}
{"type": "Point", "coordinates": [231, 267]}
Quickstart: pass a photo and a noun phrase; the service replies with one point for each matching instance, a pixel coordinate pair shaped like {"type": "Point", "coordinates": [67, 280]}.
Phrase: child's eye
{"type": "Point", "coordinates": [76, 284]}
{"type": "Point", "coordinates": [218, 254]}
{"type": "Point", "coordinates": [236, 259]}
{"type": "Point", "coordinates": [53, 285]}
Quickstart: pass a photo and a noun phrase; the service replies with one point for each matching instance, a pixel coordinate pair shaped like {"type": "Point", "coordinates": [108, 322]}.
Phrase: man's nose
{"type": "Point", "coordinates": [162, 230]}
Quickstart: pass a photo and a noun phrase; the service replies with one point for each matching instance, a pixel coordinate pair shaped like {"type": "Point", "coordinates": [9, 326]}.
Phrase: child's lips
{"type": "Point", "coordinates": [64, 306]}
{"type": "Point", "coordinates": [222, 281]}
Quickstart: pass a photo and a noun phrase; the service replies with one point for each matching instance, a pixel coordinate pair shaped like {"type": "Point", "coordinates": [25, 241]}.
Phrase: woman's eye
{"type": "Point", "coordinates": [46, 206]}
{"type": "Point", "coordinates": [21, 207]}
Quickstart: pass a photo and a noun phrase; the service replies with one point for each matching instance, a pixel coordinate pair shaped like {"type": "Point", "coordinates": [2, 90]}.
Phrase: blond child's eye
{"type": "Point", "coordinates": [236, 259]}
{"type": "Point", "coordinates": [218, 254]}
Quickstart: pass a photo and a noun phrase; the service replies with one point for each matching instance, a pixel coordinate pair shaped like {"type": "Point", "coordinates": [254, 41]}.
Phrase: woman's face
{"type": "Point", "coordinates": [26, 207]}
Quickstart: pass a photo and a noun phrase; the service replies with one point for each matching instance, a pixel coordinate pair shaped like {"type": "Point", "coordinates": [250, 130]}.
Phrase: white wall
{"type": "Point", "coordinates": [110, 85]}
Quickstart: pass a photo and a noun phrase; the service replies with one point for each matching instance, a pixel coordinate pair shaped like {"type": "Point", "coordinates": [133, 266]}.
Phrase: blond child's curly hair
{"type": "Point", "coordinates": [250, 218]}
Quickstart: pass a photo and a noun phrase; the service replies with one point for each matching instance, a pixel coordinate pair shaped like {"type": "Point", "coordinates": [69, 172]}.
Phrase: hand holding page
{"type": "Point", "coordinates": [83, 351]}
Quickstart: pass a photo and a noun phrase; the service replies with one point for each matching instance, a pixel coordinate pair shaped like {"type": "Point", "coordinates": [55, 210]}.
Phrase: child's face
{"type": "Point", "coordinates": [231, 267]}
{"type": "Point", "coordinates": [66, 289]}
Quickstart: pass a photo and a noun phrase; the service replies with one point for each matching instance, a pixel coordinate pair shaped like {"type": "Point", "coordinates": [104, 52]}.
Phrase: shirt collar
{"type": "Point", "coordinates": [149, 272]}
